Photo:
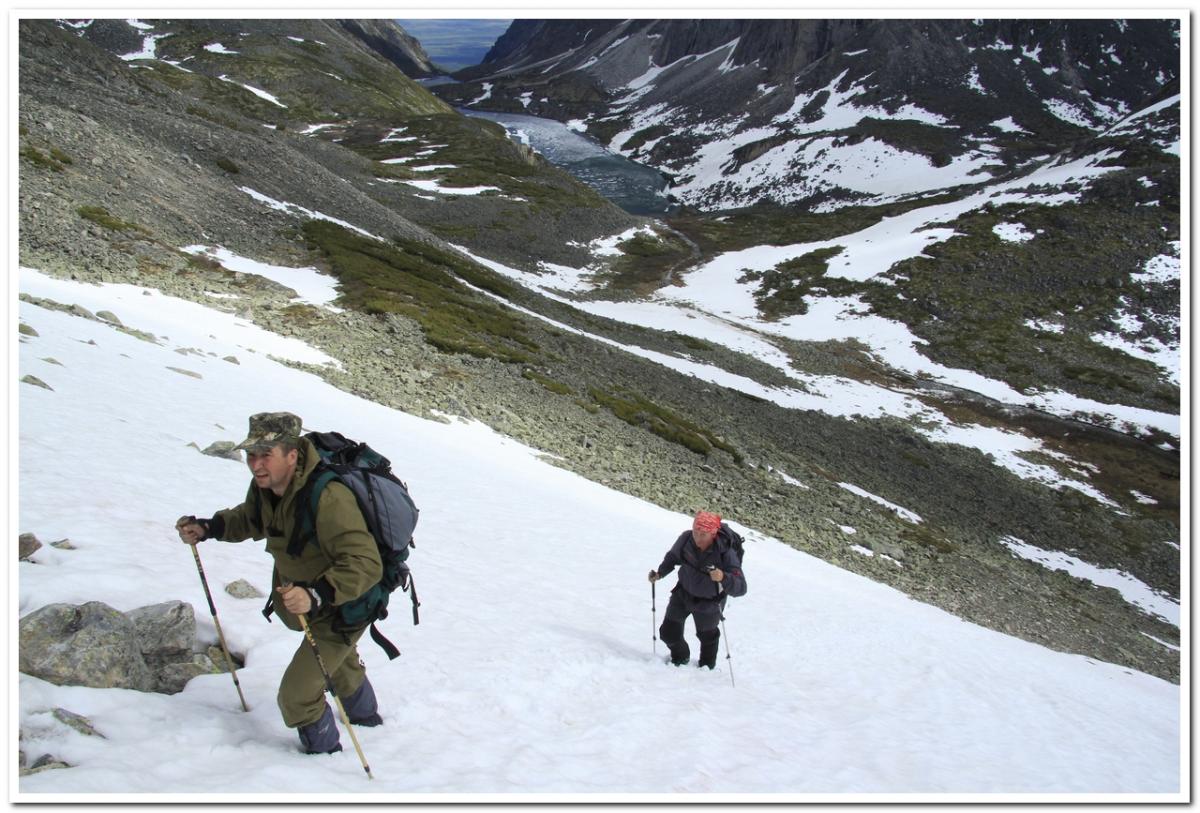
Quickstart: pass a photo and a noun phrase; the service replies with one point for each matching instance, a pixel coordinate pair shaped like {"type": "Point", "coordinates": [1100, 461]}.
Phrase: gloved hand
{"type": "Point", "coordinates": [191, 530]}
{"type": "Point", "coordinates": [654, 576]}
{"type": "Point", "coordinates": [716, 574]}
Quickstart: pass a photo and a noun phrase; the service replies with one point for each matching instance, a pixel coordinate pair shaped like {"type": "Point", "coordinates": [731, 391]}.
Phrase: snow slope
{"type": "Point", "coordinates": [532, 676]}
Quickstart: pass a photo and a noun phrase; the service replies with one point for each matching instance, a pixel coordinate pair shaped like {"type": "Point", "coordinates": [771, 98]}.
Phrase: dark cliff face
{"type": "Point", "coordinates": [396, 45]}
{"type": "Point", "coordinates": [528, 41]}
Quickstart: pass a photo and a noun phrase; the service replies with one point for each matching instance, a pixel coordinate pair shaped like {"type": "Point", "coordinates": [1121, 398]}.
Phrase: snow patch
{"type": "Point", "coordinates": [1134, 591]}
{"type": "Point", "coordinates": [903, 513]}
{"type": "Point", "coordinates": [1012, 232]}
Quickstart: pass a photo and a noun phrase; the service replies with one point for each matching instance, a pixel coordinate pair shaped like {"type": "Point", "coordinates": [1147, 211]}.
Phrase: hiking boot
{"type": "Point", "coordinates": [361, 707]}
{"type": "Point", "coordinates": [320, 737]}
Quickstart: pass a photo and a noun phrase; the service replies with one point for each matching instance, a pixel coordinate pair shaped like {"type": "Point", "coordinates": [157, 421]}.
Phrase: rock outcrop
{"type": "Point", "coordinates": [149, 649]}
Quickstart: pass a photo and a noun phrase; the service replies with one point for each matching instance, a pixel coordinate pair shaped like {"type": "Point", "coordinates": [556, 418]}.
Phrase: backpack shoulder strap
{"type": "Point", "coordinates": [384, 644]}
{"type": "Point", "coordinates": [304, 529]}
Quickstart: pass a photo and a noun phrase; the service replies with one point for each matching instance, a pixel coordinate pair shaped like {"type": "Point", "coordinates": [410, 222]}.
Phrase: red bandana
{"type": "Point", "coordinates": [707, 522]}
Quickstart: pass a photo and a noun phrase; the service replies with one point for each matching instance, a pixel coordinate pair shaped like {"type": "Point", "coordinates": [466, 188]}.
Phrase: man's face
{"type": "Point", "coordinates": [703, 538]}
{"type": "Point", "coordinates": [273, 469]}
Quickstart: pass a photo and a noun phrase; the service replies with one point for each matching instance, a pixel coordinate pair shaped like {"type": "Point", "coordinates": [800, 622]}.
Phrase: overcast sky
{"type": "Point", "coordinates": [455, 44]}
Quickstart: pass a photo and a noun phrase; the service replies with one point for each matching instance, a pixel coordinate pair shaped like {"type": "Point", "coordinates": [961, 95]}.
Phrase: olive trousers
{"type": "Point", "coordinates": [302, 690]}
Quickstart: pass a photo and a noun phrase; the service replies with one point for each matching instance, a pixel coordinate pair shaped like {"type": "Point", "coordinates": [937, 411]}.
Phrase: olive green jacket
{"type": "Point", "coordinates": [342, 565]}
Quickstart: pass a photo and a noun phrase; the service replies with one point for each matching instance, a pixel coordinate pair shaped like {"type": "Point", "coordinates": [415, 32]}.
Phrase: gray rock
{"type": "Point", "coordinates": [63, 544]}
{"type": "Point", "coordinates": [79, 310]}
{"type": "Point", "coordinates": [76, 721]}
{"type": "Point", "coordinates": [86, 645]}
{"type": "Point", "coordinates": [164, 631]}
{"type": "Point", "coordinates": [232, 360]}
{"type": "Point", "coordinates": [37, 382]}
{"type": "Point", "coordinates": [171, 678]}
{"type": "Point", "coordinates": [26, 545]}
{"type": "Point", "coordinates": [223, 448]}
{"type": "Point", "coordinates": [45, 762]}
{"type": "Point", "coordinates": [216, 656]}
{"type": "Point", "coordinates": [242, 589]}
{"type": "Point", "coordinates": [184, 372]}
{"type": "Point", "coordinates": [109, 316]}
{"type": "Point", "coordinates": [26, 330]}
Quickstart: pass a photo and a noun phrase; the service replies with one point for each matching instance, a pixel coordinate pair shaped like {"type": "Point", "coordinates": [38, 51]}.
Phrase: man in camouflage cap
{"type": "Point", "coordinates": [268, 429]}
{"type": "Point", "coordinates": [339, 565]}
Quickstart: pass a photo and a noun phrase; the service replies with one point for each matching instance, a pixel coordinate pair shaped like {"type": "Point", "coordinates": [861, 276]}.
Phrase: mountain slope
{"type": "Point", "coordinates": [295, 110]}
{"type": "Point", "coordinates": [532, 670]}
{"type": "Point", "coordinates": [742, 110]}
{"type": "Point", "coordinates": [764, 363]}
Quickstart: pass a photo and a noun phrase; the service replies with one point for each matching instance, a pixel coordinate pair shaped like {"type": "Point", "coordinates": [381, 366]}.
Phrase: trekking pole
{"type": "Point", "coordinates": [212, 608]}
{"type": "Point", "coordinates": [728, 657]}
{"type": "Point", "coordinates": [312, 642]}
{"type": "Point", "coordinates": [653, 621]}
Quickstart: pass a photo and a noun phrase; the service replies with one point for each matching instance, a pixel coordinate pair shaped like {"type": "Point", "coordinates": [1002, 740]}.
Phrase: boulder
{"type": "Point", "coordinates": [27, 544]}
{"type": "Point", "coordinates": [172, 677]}
{"type": "Point", "coordinates": [86, 645]}
{"type": "Point", "coordinates": [37, 382]}
{"type": "Point", "coordinates": [164, 631]}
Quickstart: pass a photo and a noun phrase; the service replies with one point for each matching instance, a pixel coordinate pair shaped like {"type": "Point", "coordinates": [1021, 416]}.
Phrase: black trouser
{"type": "Point", "coordinates": [705, 612]}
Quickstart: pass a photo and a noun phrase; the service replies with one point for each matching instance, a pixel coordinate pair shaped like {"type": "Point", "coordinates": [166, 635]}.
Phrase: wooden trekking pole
{"type": "Point", "coordinates": [312, 642]}
{"type": "Point", "coordinates": [212, 608]}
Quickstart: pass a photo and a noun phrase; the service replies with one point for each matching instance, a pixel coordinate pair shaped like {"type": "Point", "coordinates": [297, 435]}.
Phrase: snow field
{"type": "Point", "coordinates": [531, 671]}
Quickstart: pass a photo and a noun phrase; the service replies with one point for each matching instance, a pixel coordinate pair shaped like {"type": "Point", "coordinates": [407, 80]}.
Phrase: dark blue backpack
{"type": "Point", "coordinates": [390, 515]}
{"type": "Point", "coordinates": [734, 540]}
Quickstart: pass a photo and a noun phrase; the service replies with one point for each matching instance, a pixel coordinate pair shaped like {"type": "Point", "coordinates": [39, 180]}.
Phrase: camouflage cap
{"type": "Point", "coordinates": [267, 429]}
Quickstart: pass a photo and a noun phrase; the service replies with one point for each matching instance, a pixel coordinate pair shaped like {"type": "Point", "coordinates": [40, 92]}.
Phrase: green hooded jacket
{"type": "Point", "coordinates": [343, 564]}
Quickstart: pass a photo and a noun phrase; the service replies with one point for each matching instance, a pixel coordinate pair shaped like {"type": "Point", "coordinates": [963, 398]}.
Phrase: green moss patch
{"type": "Point", "coordinates": [556, 387]}
{"type": "Point", "coordinates": [100, 215]}
{"type": "Point", "coordinates": [427, 285]}
{"type": "Point", "coordinates": [782, 289]}
{"type": "Point", "coordinates": [638, 411]}
{"type": "Point", "coordinates": [57, 160]}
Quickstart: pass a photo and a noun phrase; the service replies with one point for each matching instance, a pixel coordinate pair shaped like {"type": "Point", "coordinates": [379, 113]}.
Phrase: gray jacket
{"type": "Point", "coordinates": [694, 564]}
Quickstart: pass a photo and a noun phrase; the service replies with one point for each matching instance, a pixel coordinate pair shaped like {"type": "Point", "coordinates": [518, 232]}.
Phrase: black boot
{"type": "Point", "coordinates": [320, 737]}
{"type": "Point", "coordinates": [671, 633]}
{"type": "Point", "coordinates": [708, 647]}
{"type": "Point", "coordinates": [361, 707]}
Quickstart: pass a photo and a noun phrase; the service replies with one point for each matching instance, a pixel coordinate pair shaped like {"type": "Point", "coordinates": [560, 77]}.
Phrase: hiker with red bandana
{"type": "Point", "coordinates": [709, 572]}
